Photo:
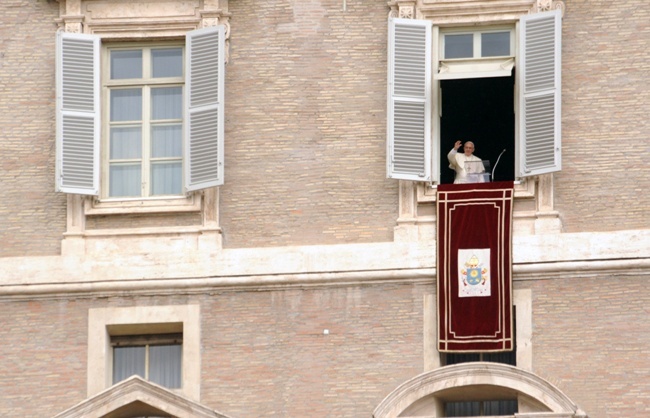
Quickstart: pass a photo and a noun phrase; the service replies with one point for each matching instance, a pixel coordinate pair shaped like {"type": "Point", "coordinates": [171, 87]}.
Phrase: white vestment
{"type": "Point", "coordinates": [457, 163]}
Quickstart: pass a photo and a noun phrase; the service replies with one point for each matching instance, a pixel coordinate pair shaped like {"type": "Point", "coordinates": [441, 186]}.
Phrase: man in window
{"type": "Point", "coordinates": [466, 164]}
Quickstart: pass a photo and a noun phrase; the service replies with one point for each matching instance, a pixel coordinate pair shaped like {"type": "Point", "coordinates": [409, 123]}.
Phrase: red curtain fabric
{"type": "Point", "coordinates": [475, 267]}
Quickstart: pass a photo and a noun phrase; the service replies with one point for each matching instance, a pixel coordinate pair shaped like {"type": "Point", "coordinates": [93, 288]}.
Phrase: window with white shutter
{"type": "Point", "coordinates": [159, 132]}
{"type": "Point", "coordinates": [512, 118]}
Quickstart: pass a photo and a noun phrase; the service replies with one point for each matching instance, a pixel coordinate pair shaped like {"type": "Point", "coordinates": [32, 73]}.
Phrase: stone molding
{"type": "Point", "coordinates": [469, 12]}
{"type": "Point", "coordinates": [137, 391]}
{"type": "Point", "coordinates": [139, 19]}
{"type": "Point", "coordinates": [562, 256]}
{"type": "Point", "coordinates": [423, 389]}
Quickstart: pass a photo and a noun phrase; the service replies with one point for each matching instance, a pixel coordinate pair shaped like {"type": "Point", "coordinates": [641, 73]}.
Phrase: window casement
{"type": "Point", "coordinates": [431, 74]}
{"type": "Point", "coordinates": [142, 153]}
{"type": "Point", "coordinates": [161, 132]}
{"type": "Point", "coordinates": [155, 357]}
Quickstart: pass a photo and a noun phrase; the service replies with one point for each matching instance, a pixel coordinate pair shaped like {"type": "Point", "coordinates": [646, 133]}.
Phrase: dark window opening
{"type": "Point", "coordinates": [480, 110]}
{"type": "Point", "coordinates": [481, 408]}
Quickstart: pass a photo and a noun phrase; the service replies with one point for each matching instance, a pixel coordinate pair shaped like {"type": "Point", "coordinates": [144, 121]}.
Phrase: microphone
{"type": "Point", "coordinates": [495, 164]}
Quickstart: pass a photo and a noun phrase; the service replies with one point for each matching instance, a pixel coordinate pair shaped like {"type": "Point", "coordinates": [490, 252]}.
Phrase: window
{"type": "Point", "coordinates": [156, 358]}
{"type": "Point", "coordinates": [495, 43]}
{"type": "Point", "coordinates": [483, 407]}
{"type": "Point", "coordinates": [158, 343]}
{"type": "Point", "coordinates": [452, 84]}
{"type": "Point", "coordinates": [143, 150]}
{"type": "Point", "coordinates": [161, 130]}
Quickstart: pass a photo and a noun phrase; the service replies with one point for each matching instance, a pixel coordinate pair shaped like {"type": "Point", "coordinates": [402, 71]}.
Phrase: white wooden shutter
{"type": "Point", "coordinates": [539, 61]}
{"type": "Point", "coordinates": [409, 99]}
{"type": "Point", "coordinates": [204, 128]}
{"type": "Point", "coordinates": [78, 124]}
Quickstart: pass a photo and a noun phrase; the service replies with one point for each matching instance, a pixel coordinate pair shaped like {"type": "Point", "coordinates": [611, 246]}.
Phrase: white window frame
{"type": "Point", "coordinates": [146, 83]}
{"type": "Point", "coordinates": [529, 143]}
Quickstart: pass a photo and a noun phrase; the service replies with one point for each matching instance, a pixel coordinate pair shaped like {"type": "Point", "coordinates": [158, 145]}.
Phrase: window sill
{"type": "Point", "coordinates": [190, 203]}
{"type": "Point", "coordinates": [524, 189]}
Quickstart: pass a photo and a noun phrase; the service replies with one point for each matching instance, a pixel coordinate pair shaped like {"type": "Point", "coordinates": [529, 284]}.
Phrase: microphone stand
{"type": "Point", "coordinates": [495, 164]}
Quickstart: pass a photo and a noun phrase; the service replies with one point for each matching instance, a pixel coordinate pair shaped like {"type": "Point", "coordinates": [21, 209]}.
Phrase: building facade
{"type": "Point", "coordinates": [222, 179]}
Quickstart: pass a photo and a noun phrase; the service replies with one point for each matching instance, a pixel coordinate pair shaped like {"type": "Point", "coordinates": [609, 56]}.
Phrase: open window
{"type": "Point", "coordinates": [161, 132]}
{"type": "Point", "coordinates": [499, 87]}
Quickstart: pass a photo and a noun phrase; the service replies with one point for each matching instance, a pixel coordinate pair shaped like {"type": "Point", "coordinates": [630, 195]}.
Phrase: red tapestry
{"type": "Point", "coordinates": [475, 267]}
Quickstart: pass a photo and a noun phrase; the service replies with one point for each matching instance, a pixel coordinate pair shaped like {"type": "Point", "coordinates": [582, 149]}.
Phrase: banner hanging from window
{"type": "Point", "coordinates": [475, 267]}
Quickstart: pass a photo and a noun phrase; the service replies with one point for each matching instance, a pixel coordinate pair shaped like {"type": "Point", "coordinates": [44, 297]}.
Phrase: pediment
{"type": "Point", "coordinates": [136, 397]}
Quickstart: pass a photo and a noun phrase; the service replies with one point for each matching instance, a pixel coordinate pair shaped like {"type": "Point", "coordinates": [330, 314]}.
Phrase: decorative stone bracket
{"type": "Point", "coordinates": [139, 19]}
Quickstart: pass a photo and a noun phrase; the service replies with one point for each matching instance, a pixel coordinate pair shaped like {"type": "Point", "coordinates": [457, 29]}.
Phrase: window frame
{"type": "Point", "coordinates": [138, 320]}
{"type": "Point", "coordinates": [147, 341]}
{"type": "Point", "coordinates": [146, 82]}
{"type": "Point", "coordinates": [78, 144]}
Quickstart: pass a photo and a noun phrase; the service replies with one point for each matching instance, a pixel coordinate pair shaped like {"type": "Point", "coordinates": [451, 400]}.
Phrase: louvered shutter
{"type": "Point", "coordinates": [78, 124]}
{"type": "Point", "coordinates": [539, 94]}
{"type": "Point", "coordinates": [409, 100]}
{"type": "Point", "coordinates": [204, 134]}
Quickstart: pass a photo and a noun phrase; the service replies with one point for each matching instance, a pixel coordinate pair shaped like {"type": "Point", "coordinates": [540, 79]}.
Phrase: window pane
{"type": "Point", "coordinates": [495, 44]}
{"type": "Point", "coordinates": [462, 409]}
{"type": "Point", "coordinates": [126, 104]}
{"type": "Point", "coordinates": [166, 141]}
{"type": "Point", "coordinates": [167, 62]}
{"type": "Point", "coordinates": [126, 142]}
{"type": "Point", "coordinates": [126, 64]}
{"type": "Point", "coordinates": [128, 361]}
{"type": "Point", "coordinates": [459, 46]}
{"type": "Point", "coordinates": [165, 365]}
{"type": "Point", "coordinates": [166, 178]}
{"type": "Point", "coordinates": [167, 103]}
{"type": "Point", "coordinates": [506, 407]}
{"type": "Point", "coordinates": [125, 180]}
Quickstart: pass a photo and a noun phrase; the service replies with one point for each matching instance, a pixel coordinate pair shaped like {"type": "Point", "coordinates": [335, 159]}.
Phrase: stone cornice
{"type": "Point", "coordinates": [566, 256]}
{"type": "Point", "coordinates": [470, 12]}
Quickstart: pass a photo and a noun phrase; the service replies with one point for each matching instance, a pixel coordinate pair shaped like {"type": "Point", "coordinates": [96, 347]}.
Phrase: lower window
{"type": "Point", "coordinates": [157, 358]}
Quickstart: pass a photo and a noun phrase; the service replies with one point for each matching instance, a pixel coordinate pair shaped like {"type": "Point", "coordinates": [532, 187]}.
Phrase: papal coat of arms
{"type": "Point", "coordinates": [473, 272]}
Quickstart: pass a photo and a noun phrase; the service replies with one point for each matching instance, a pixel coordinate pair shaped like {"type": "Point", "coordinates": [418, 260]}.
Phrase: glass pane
{"type": "Point", "coordinates": [165, 365]}
{"type": "Point", "coordinates": [167, 62]}
{"type": "Point", "coordinates": [124, 180]}
{"type": "Point", "coordinates": [126, 104]}
{"type": "Point", "coordinates": [462, 409]}
{"type": "Point", "coordinates": [126, 142]}
{"type": "Point", "coordinates": [167, 103]}
{"type": "Point", "coordinates": [166, 141]}
{"type": "Point", "coordinates": [128, 361]}
{"type": "Point", "coordinates": [506, 407]}
{"type": "Point", "coordinates": [166, 178]}
{"type": "Point", "coordinates": [459, 46]}
{"type": "Point", "coordinates": [126, 64]}
{"type": "Point", "coordinates": [495, 44]}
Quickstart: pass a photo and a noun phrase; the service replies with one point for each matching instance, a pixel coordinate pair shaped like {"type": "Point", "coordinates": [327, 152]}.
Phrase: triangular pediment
{"type": "Point", "coordinates": [136, 397]}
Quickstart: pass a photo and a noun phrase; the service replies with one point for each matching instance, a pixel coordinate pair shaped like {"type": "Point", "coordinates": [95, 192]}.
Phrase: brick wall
{"type": "Point", "coordinates": [306, 125]}
{"type": "Point", "coordinates": [32, 215]}
{"type": "Point", "coordinates": [306, 122]}
{"type": "Point", "coordinates": [591, 338]}
{"type": "Point", "coordinates": [606, 133]}
{"type": "Point", "coordinates": [263, 353]}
